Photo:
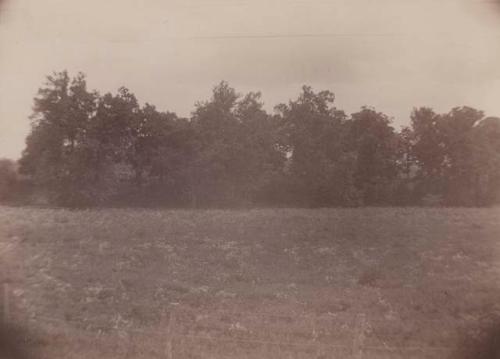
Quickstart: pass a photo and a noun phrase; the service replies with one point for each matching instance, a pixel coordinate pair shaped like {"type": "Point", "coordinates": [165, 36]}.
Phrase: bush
{"type": "Point", "coordinates": [9, 180]}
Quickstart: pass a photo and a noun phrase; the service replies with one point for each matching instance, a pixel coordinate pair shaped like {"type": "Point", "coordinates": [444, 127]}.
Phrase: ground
{"type": "Point", "coordinates": [261, 283]}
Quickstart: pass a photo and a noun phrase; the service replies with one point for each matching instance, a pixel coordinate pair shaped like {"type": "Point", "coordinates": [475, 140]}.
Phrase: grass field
{"type": "Point", "coordinates": [264, 283]}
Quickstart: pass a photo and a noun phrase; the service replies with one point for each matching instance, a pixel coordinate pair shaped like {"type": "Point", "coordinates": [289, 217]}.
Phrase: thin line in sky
{"type": "Point", "coordinates": [279, 36]}
{"type": "Point", "coordinates": [310, 35]}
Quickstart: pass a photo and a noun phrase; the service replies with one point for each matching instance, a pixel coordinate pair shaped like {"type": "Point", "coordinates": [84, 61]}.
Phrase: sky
{"type": "Point", "coordinates": [393, 55]}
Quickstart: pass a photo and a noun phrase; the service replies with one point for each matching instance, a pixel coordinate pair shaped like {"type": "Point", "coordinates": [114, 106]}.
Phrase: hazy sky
{"type": "Point", "coordinates": [391, 54]}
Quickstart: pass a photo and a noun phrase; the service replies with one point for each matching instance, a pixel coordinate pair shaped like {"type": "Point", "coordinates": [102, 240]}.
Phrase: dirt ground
{"type": "Point", "coordinates": [262, 283]}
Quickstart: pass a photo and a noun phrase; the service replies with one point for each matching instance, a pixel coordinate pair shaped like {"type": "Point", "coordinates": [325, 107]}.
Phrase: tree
{"type": "Point", "coordinates": [321, 168]}
{"type": "Point", "coordinates": [9, 180]}
{"type": "Point", "coordinates": [457, 155]}
{"type": "Point", "coordinates": [485, 161]}
{"type": "Point", "coordinates": [262, 158]}
{"type": "Point", "coordinates": [428, 148]}
{"type": "Point", "coordinates": [62, 112]}
{"type": "Point", "coordinates": [237, 151]}
{"type": "Point", "coordinates": [86, 149]}
{"type": "Point", "coordinates": [377, 158]}
{"type": "Point", "coordinates": [164, 150]}
{"type": "Point", "coordinates": [457, 128]}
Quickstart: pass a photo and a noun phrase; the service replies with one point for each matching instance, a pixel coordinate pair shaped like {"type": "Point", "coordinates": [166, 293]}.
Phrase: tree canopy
{"type": "Point", "coordinates": [87, 148]}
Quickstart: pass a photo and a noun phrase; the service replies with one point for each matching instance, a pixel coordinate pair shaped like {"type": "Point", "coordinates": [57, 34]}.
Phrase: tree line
{"type": "Point", "coordinates": [88, 149]}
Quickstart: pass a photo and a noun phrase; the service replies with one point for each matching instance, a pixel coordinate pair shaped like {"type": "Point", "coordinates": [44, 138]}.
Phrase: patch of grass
{"type": "Point", "coordinates": [421, 276]}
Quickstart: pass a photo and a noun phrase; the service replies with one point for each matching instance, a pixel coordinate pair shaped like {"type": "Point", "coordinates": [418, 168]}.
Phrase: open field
{"type": "Point", "coordinates": [266, 283]}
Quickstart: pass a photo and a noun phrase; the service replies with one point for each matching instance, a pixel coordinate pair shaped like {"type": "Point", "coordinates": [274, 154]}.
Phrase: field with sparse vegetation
{"type": "Point", "coordinates": [261, 283]}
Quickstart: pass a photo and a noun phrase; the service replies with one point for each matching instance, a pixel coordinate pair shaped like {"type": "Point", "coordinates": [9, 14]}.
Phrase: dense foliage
{"type": "Point", "coordinates": [91, 149]}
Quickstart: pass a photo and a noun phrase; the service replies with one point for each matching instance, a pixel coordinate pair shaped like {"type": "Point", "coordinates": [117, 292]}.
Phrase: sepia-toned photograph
{"type": "Point", "coordinates": [250, 179]}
